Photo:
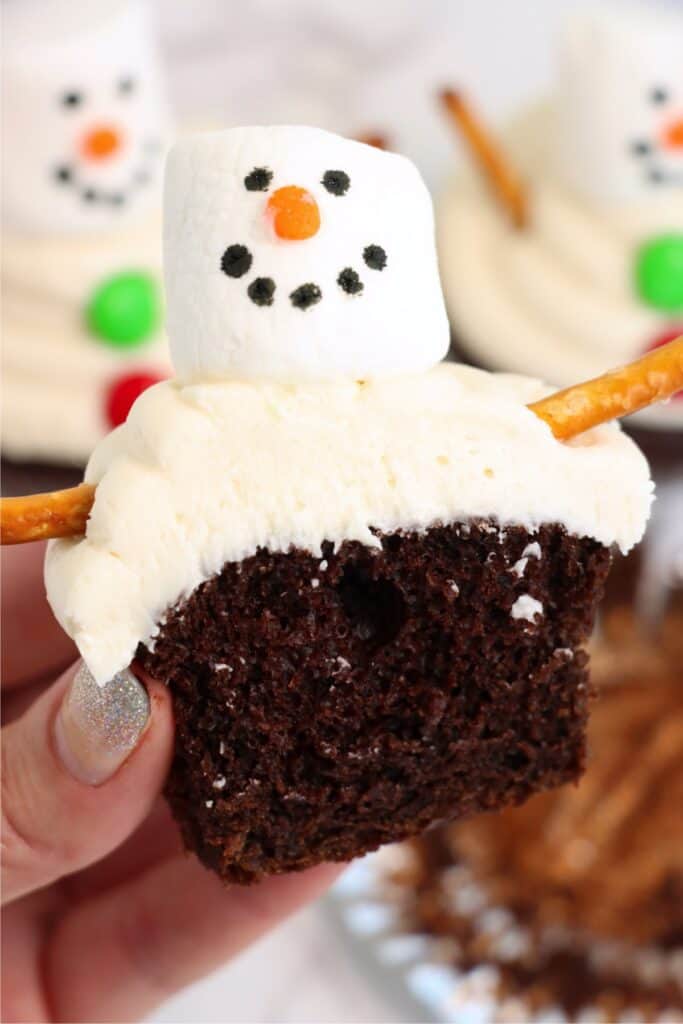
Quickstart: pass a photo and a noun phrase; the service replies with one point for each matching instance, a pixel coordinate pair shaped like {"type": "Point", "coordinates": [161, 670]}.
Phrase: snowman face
{"type": "Point", "coordinates": [658, 151]}
{"type": "Point", "coordinates": [85, 123]}
{"type": "Point", "coordinates": [294, 253]}
{"type": "Point", "coordinates": [619, 113]}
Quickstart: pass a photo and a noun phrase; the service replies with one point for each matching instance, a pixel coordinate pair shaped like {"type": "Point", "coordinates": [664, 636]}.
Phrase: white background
{"type": "Point", "coordinates": [353, 66]}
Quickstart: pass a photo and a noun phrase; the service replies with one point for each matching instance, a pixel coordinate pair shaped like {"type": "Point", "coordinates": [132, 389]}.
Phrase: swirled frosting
{"type": "Point", "coordinates": [202, 474]}
{"type": "Point", "coordinates": [56, 374]}
{"type": "Point", "coordinates": [557, 299]}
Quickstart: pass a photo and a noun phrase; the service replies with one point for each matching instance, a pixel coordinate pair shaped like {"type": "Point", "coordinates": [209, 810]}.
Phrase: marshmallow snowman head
{"type": "Point", "coordinates": [293, 253]}
{"type": "Point", "coordinates": [618, 128]}
{"type": "Point", "coordinates": [85, 120]}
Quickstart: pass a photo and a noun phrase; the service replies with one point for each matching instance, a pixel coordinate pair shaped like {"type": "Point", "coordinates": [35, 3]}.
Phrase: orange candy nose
{"type": "Point", "coordinates": [673, 135]}
{"type": "Point", "coordinates": [294, 213]}
{"type": "Point", "coordinates": [101, 142]}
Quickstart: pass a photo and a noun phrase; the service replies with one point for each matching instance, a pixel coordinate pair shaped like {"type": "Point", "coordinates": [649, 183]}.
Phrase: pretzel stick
{"type": "Point", "coordinates": [655, 377]}
{"type": "Point", "coordinates": [41, 516]}
{"type": "Point", "coordinates": [504, 180]}
{"type": "Point", "coordinates": [374, 139]}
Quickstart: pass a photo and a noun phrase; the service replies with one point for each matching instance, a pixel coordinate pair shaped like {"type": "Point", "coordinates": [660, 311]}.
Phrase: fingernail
{"type": "Point", "coordinates": [98, 727]}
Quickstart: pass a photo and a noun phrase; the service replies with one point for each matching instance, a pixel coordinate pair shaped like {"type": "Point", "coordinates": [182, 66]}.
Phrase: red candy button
{"type": "Point", "coordinates": [122, 393]}
{"type": "Point", "coordinates": [664, 339]}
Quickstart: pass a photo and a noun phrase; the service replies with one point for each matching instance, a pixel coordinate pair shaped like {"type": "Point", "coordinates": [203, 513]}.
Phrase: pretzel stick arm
{"type": "Point", "coordinates": [654, 378]}
{"type": "Point", "coordinates": [42, 516]}
{"type": "Point", "coordinates": [505, 182]}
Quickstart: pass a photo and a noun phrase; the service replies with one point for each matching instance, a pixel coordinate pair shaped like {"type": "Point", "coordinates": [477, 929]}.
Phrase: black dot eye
{"type": "Point", "coordinates": [336, 182]}
{"type": "Point", "coordinates": [236, 261]}
{"type": "Point", "coordinates": [305, 296]}
{"type": "Point", "coordinates": [659, 95]}
{"type": "Point", "coordinates": [261, 291]}
{"type": "Point", "coordinates": [350, 282]}
{"type": "Point", "coordinates": [375, 257]}
{"type": "Point", "coordinates": [89, 195]}
{"type": "Point", "coordinates": [258, 180]}
{"type": "Point", "coordinates": [126, 86]}
{"type": "Point", "coordinates": [639, 147]}
{"type": "Point", "coordinates": [72, 99]}
{"type": "Point", "coordinates": [655, 176]}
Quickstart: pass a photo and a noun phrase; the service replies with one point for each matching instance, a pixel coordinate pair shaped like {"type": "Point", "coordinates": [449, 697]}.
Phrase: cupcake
{"type": "Point", "coordinates": [85, 128]}
{"type": "Point", "coordinates": [595, 276]}
{"type": "Point", "coordinates": [365, 575]}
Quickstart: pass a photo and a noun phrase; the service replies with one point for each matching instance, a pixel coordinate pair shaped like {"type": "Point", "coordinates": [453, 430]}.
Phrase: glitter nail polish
{"type": "Point", "coordinates": [98, 727]}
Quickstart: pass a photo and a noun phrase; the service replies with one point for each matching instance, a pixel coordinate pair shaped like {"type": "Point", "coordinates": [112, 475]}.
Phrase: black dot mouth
{"type": "Point", "coordinates": [640, 147]}
{"type": "Point", "coordinates": [350, 282]}
{"type": "Point", "coordinates": [375, 257]}
{"type": "Point", "coordinates": [236, 261]}
{"type": "Point", "coordinates": [261, 291]}
{"type": "Point", "coordinates": [305, 296]}
{"type": "Point", "coordinates": [647, 153]}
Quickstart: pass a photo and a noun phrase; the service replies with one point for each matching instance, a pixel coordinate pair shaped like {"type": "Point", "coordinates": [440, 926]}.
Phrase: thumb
{"type": "Point", "coordinates": [81, 769]}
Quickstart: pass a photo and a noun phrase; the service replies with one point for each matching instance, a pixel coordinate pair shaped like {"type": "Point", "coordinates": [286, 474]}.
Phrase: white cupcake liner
{"type": "Point", "coordinates": [416, 970]}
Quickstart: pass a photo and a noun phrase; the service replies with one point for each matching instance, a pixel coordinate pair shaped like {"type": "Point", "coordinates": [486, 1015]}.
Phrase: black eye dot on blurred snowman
{"type": "Point", "coordinates": [126, 85]}
{"type": "Point", "coordinates": [639, 147]}
{"type": "Point", "coordinates": [336, 182]}
{"type": "Point", "coordinates": [305, 296]}
{"type": "Point", "coordinates": [71, 99]}
{"type": "Point", "coordinates": [261, 291]}
{"type": "Point", "coordinates": [258, 180]}
{"type": "Point", "coordinates": [350, 282]}
{"type": "Point", "coordinates": [375, 257]}
{"type": "Point", "coordinates": [236, 260]}
{"type": "Point", "coordinates": [659, 95]}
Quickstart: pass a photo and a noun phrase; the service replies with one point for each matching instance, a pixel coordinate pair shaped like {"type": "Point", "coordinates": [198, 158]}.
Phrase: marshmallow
{"type": "Point", "coordinates": [85, 121]}
{"type": "Point", "coordinates": [291, 253]}
{"type": "Point", "coordinates": [618, 130]}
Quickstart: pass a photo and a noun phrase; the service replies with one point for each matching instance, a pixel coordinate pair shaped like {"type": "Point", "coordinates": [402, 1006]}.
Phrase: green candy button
{"type": "Point", "coordinates": [659, 272]}
{"type": "Point", "coordinates": [125, 309]}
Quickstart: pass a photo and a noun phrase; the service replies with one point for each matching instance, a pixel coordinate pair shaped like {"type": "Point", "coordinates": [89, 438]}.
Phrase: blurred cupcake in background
{"type": "Point", "coordinates": [594, 277]}
{"type": "Point", "coordinates": [85, 129]}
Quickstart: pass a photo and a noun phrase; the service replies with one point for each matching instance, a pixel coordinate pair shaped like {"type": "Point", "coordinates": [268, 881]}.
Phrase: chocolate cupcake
{"type": "Point", "coordinates": [365, 576]}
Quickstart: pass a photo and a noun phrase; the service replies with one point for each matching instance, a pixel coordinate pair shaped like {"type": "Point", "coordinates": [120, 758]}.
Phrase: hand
{"type": "Point", "coordinates": [104, 915]}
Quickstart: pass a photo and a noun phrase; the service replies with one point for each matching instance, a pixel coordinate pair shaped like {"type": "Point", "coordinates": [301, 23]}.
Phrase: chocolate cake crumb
{"type": "Point", "coordinates": [397, 693]}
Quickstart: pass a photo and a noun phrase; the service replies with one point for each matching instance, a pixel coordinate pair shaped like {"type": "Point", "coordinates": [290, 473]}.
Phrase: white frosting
{"type": "Point", "coordinates": [55, 372]}
{"type": "Point", "coordinates": [397, 323]}
{"type": "Point", "coordinates": [71, 68]}
{"type": "Point", "coordinates": [526, 607]}
{"type": "Point", "coordinates": [207, 473]}
{"type": "Point", "coordinates": [556, 299]}
{"type": "Point", "coordinates": [615, 58]}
